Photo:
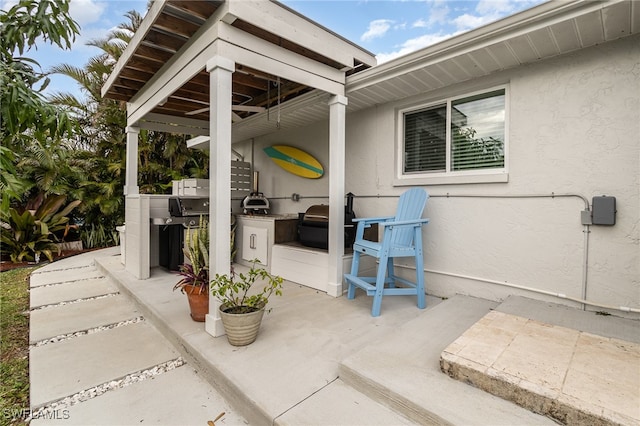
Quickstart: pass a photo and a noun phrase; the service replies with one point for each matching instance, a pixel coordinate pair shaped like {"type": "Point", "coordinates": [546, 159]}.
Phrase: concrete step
{"type": "Point", "coordinates": [339, 404]}
{"type": "Point", "coordinates": [60, 369]}
{"type": "Point", "coordinates": [402, 371]}
{"type": "Point", "coordinates": [56, 320]}
{"type": "Point", "coordinates": [106, 365]}
{"type": "Point", "coordinates": [176, 397]}
{"type": "Point", "coordinates": [66, 292]}
{"type": "Point", "coordinates": [48, 277]}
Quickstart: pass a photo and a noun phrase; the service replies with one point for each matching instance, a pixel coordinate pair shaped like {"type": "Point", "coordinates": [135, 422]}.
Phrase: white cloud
{"type": "Point", "coordinates": [420, 23]}
{"type": "Point", "coordinates": [86, 11]}
{"type": "Point", "coordinates": [438, 12]}
{"type": "Point", "coordinates": [487, 11]}
{"type": "Point", "coordinates": [500, 7]}
{"type": "Point", "coordinates": [467, 22]}
{"type": "Point", "coordinates": [8, 4]}
{"type": "Point", "coordinates": [377, 28]}
{"type": "Point", "coordinates": [401, 26]}
{"type": "Point", "coordinates": [412, 45]}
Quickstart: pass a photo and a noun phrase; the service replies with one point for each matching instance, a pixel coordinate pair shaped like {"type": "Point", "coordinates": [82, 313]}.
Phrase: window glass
{"type": "Point", "coordinates": [425, 134]}
{"type": "Point", "coordinates": [456, 135]}
{"type": "Point", "coordinates": [477, 129]}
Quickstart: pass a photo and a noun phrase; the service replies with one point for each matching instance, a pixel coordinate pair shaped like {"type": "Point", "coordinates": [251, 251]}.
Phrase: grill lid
{"type": "Point", "coordinates": [317, 213]}
{"type": "Point", "coordinates": [185, 207]}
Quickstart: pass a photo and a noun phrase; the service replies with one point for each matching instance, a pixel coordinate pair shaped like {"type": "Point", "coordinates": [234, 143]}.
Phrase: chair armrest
{"type": "Point", "coordinates": [418, 222]}
{"type": "Point", "coordinates": [370, 220]}
{"type": "Point", "coordinates": [366, 222]}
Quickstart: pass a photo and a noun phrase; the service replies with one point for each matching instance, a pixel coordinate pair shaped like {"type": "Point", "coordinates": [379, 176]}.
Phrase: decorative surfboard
{"type": "Point", "coordinates": [295, 161]}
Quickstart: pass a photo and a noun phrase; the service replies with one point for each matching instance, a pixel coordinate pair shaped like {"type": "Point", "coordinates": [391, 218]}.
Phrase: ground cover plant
{"type": "Point", "coordinates": [14, 345]}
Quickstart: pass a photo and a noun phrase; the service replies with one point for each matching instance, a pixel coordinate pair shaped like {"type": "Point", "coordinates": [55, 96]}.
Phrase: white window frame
{"type": "Point", "coordinates": [448, 176]}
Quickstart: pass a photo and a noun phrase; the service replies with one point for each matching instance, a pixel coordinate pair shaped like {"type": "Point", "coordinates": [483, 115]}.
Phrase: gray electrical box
{"type": "Point", "coordinates": [603, 210]}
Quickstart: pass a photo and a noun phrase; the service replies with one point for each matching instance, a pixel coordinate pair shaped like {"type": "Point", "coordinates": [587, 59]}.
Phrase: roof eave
{"type": "Point", "coordinates": [500, 30]}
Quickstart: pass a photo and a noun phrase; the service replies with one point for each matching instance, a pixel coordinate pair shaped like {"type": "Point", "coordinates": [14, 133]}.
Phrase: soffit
{"type": "Point", "coordinates": [548, 30]}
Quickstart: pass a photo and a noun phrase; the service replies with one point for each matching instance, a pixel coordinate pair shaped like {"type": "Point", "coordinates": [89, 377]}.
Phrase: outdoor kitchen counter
{"type": "Point", "coordinates": [269, 217]}
{"type": "Point", "coordinates": [256, 235]}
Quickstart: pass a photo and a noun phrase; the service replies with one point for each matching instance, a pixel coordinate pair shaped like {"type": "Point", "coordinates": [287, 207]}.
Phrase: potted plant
{"type": "Point", "coordinates": [243, 300]}
{"type": "Point", "coordinates": [195, 273]}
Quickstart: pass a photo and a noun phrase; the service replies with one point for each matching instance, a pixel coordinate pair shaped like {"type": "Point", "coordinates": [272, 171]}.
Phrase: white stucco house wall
{"type": "Point", "coordinates": [572, 133]}
{"type": "Point", "coordinates": [560, 83]}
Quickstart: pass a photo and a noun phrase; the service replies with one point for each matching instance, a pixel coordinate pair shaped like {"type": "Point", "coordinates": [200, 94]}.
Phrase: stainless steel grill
{"type": "Point", "coordinates": [188, 208]}
{"type": "Point", "coordinates": [184, 212]}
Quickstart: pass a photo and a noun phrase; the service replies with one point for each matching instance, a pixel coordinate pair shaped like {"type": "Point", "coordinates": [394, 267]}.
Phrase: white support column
{"type": "Point", "coordinates": [131, 177]}
{"type": "Point", "coordinates": [337, 120]}
{"type": "Point", "coordinates": [220, 72]}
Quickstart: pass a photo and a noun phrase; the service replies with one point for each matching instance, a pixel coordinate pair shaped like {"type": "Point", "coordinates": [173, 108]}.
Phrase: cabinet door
{"type": "Point", "coordinates": [255, 244]}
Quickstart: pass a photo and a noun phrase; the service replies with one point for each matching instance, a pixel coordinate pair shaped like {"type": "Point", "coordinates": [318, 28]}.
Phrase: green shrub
{"type": "Point", "coordinates": [97, 236]}
{"type": "Point", "coordinates": [28, 235]}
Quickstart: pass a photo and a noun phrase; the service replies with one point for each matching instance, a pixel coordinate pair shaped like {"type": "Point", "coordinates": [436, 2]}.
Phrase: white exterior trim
{"type": "Point", "coordinates": [337, 123]}
{"type": "Point", "coordinates": [220, 71]}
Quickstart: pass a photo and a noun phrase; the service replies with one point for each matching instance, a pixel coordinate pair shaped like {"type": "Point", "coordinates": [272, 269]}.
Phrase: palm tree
{"type": "Point", "coordinates": [26, 119]}
{"type": "Point", "coordinates": [163, 157]}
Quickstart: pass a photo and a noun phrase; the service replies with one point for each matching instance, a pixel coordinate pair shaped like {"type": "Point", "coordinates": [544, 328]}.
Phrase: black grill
{"type": "Point", "coordinates": [313, 225]}
{"type": "Point", "coordinates": [184, 212]}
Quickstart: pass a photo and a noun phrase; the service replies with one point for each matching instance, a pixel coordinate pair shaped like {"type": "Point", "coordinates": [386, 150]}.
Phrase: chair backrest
{"type": "Point", "coordinates": [410, 207]}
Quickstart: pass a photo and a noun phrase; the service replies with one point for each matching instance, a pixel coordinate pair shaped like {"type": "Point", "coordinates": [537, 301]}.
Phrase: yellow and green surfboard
{"type": "Point", "coordinates": [295, 161]}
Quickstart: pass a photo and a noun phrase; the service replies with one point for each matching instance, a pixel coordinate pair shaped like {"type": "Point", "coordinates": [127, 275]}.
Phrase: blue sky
{"type": "Point", "coordinates": [387, 28]}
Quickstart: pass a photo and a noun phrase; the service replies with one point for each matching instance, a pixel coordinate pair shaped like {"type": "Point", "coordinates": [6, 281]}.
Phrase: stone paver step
{"type": "Point", "coordinates": [58, 320]}
{"type": "Point", "coordinates": [61, 369]}
{"type": "Point", "coordinates": [63, 275]}
{"type": "Point", "coordinates": [410, 381]}
{"type": "Point", "coordinates": [176, 397]}
{"type": "Point", "coordinates": [573, 376]}
{"type": "Point", "coordinates": [48, 295]}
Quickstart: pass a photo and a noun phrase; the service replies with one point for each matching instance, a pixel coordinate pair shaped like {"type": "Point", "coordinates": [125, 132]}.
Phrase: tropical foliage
{"type": "Point", "coordinates": [26, 118]}
{"type": "Point", "coordinates": [69, 144]}
{"type": "Point", "coordinates": [28, 234]}
{"type": "Point", "coordinates": [97, 236]}
{"type": "Point", "coordinates": [196, 249]}
{"type": "Point", "coordinates": [101, 140]}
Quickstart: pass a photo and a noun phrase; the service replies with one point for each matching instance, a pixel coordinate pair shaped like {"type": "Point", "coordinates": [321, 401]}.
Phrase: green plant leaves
{"type": "Point", "coordinates": [28, 236]}
{"type": "Point", "coordinates": [234, 290]}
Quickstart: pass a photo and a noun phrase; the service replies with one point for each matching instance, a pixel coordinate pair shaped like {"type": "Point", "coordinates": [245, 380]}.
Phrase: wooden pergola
{"type": "Point", "coordinates": [213, 68]}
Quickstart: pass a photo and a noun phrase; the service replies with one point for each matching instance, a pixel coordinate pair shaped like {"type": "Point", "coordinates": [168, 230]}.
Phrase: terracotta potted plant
{"type": "Point", "coordinates": [244, 298]}
{"type": "Point", "coordinates": [195, 273]}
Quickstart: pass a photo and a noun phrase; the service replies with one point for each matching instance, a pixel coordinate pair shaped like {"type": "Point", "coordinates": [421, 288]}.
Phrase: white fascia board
{"type": "Point", "coordinates": [541, 16]}
{"type": "Point", "coordinates": [172, 124]}
{"type": "Point", "coordinates": [185, 71]}
{"type": "Point", "coordinates": [199, 142]}
{"type": "Point", "coordinates": [278, 67]}
{"type": "Point", "coordinates": [141, 33]}
{"type": "Point", "coordinates": [180, 121]}
{"type": "Point", "coordinates": [182, 66]}
{"type": "Point", "coordinates": [206, 43]}
{"type": "Point", "coordinates": [173, 79]}
{"type": "Point", "coordinates": [278, 19]}
{"type": "Point", "coordinates": [261, 47]}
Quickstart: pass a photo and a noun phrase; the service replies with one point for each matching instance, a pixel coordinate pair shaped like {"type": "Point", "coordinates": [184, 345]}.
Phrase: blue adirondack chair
{"type": "Point", "coordinates": [401, 237]}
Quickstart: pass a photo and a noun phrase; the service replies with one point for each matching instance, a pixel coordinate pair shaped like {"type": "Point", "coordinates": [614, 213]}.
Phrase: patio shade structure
{"type": "Point", "coordinates": [221, 69]}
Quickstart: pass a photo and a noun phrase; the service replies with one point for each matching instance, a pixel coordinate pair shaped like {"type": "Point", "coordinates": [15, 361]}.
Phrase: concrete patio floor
{"type": "Point", "coordinates": [320, 360]}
